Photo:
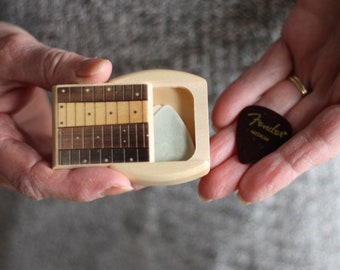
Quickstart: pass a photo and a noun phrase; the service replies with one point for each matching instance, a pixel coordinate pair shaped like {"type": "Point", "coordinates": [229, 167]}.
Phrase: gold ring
{"type": "Point", "coordinates": [299, 85]}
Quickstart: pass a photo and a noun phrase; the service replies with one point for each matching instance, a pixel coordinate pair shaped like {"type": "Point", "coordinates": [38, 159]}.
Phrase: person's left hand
{"type": "Point", "coordinates": [308, 47]}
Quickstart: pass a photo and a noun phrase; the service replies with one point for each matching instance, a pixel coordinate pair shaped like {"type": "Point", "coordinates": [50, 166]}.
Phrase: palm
{"type": "Point", "coordinates": [309, 48]}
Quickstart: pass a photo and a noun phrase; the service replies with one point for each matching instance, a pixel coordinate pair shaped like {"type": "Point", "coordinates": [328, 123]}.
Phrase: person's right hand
{"type": "Point", "coordinates": [27, 67]}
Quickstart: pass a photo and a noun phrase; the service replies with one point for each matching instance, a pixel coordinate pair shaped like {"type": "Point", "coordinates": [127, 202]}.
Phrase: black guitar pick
{"type": "Point", "coordinates": [259, 132]}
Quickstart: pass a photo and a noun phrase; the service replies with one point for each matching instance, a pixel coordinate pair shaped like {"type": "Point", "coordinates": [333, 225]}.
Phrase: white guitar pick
{"type": "Point", "coordinates": [172, 139]}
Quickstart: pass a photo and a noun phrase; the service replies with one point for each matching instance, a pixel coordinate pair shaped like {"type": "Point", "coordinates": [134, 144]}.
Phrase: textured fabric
{"type": "Point", "coordinates": [170, 227]}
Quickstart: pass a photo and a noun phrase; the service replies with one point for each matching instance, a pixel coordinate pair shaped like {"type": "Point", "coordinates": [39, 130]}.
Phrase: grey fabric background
{"type": "Point", "coordinates": [170, 227]}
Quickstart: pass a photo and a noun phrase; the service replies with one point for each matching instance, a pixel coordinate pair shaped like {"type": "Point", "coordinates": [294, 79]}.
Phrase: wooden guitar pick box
{"type": "Point", "coordinates": [112, 125]}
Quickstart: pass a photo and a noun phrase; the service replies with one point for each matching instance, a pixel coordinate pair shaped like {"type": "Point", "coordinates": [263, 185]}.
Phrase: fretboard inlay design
{"type": "Point", "coordinates": [102, 124]}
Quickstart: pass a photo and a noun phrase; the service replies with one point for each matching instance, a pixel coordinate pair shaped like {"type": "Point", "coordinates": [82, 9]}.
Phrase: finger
{"type": "Point", "coordinates": [312, 146]}
{"type": "Point", "coordinates": [272, 68]}
{"type": "Point", "coordinates": [281, 98]}
{"type": "Point", "coordinates": [22, 167]}
{"type": "Point", "coordinates": [222, 145]}
{"type": "Point", "coordinates": [306, 110]}
{"type": "Point", "coordinates": [9, 29]}
{"type": "Point", "coordinates": [26, 60]}
{"type": "Point", "coordinates": [222, 180]}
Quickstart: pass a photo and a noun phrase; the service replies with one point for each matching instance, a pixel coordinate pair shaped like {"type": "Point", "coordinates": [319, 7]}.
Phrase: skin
{"type": "Point", "coordinates": [309, 48]}
{"type": "Point", "coordinates": [27, 67]}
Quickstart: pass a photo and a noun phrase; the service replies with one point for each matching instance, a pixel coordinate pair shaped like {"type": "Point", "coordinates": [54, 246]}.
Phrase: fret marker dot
{"type": "Point", "coordinates": [63, 91]}
{"type": "Point", "coordinates": [77, 138]}
{"type": "Point", "coordinates": [84, 161]}
{"type": "Point", "coordinates": [135, 112]}
{"type": "Point", "coordinates": [87, 90]}
{"type": "Point", "coordinates": [106, 160]}
{"type": "Point", "coordinates": [108, 89]}
{"type": "Point", "coordinates": [131, 159]}
{"type": "Point", "coordinates": [137, 94]}
{"type": "Point", "coordinates": [98, 137]}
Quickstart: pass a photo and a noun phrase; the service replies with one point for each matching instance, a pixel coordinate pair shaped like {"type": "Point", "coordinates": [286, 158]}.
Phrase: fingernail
{"type": "Point", "coordinates": [240, 198]}
{"type": "Point", "coordinates": [204, 199]}
{"type": "Point", "coordinates": [116, 190]}
{"type": "Point", "coordinates": [91, 67]}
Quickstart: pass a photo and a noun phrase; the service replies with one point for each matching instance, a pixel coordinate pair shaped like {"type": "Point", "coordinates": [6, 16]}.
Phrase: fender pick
{"type": "Point", "coordinates": [259, 132]}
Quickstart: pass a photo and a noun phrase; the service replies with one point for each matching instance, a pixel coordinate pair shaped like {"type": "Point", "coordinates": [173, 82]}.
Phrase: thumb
{"type": "Point", "coordinates": [26, 60]}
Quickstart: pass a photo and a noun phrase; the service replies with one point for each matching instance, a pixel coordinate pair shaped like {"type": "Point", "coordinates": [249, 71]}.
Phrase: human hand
{"type": "Point", "coordinates": [308, 47]}
{"type": "Point", "coordinates": [27, 67]}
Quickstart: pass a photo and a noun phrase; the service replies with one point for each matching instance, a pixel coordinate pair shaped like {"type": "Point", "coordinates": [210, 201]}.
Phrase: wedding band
{"type": "Point", "coordinates": [299, 85]}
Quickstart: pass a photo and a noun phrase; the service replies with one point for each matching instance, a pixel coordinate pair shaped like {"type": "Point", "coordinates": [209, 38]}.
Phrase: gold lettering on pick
{"type": "Point", "coordinates": [259, 135]}
{"type": "Point", "coordinates": [273, 130]}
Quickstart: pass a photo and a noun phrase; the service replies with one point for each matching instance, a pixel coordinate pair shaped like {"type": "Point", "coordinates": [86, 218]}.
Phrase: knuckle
{"type": "Point", "coordinates": [26, 187]}
{"type": "Point", "coordinates": [26, 181]}
{"type": "Point", "coordinates": [295, 158]}
{"type": "Point", "coordinates": [53, 62]}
